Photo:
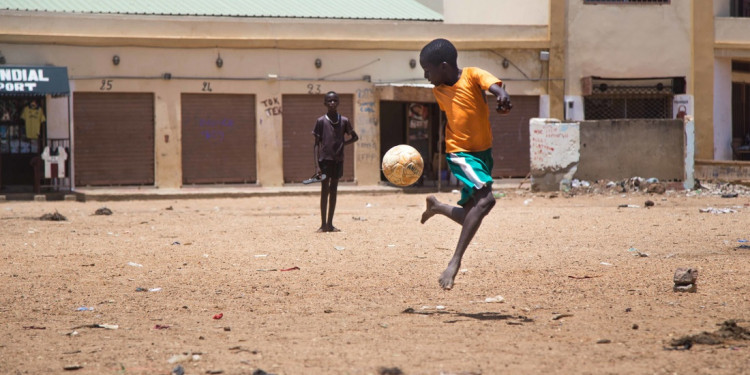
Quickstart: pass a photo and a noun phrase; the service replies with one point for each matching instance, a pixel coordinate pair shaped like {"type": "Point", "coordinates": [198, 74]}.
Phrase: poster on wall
{"type": "Point", "coordinates": [419, 122]}
{"type": "Point", "coordinates": [682, 105]}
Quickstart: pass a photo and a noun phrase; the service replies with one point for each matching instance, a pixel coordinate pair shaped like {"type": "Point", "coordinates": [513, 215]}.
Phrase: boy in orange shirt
{"type": "Point", "coordinates": [468, 141]}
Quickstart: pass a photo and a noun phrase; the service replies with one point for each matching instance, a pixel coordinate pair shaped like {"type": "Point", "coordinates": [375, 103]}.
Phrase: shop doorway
{"type": "Point", "coordinates": [114, 138]}
{"type": "Point", "coordinates": [22, 135]}
{"type": "Point", "coordinates": [34, 130]}
{"type": "Point", "coordinates": [415, 124]}
{"type": "Point", "coordinates": [218, 139]}
{"type": "Point", "coordinates": [741, 120]}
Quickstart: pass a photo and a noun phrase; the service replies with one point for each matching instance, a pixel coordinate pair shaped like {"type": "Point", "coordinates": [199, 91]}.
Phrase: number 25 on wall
{"type": "Point", "coordinates": [106, 85]}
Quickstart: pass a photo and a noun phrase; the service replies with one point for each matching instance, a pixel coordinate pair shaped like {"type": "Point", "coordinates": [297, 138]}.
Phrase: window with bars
{"type": "Point", "coordinates": [626, 1]}
{"type": "Point", "coordinates": [628, 107]}
{"type": "Point", "coordinates": [648, 98]}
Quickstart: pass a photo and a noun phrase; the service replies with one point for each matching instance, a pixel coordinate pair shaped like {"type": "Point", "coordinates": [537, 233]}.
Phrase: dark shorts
{"type": "Point", "coordinates": [333, 169]}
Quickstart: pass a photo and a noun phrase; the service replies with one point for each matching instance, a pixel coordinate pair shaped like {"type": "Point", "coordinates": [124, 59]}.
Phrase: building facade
{"type": "Point", "coordinates": [192, 94]}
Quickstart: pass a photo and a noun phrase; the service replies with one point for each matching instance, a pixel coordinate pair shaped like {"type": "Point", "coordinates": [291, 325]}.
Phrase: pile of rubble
{"type": "Point", "coordinates": [650, 186]}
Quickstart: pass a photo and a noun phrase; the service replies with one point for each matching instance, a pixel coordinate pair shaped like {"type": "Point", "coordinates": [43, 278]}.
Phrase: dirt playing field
{"type": "Point", "coordinates": [243, 286]}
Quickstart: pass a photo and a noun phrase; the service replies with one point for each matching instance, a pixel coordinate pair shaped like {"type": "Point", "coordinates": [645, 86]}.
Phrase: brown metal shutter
{"type": "Point", "coordinates": [510, 133]}
{"type": "Point", "coordinates": [113, 138]}
{"type": "Point", "coordinates": [218, 138]}
{"type": "Point", "coordinates": [300, 114]}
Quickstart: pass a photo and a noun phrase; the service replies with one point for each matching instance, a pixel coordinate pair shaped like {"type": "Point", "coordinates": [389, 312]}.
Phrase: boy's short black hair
{"type": "Point", "coordinates": [325, 97]}
{"type": "Point", "coordinates": [438, 51]}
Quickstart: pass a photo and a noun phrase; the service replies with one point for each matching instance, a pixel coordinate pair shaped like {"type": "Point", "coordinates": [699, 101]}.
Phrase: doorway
{"type": "Point", "coordinates": [741, 120]}
{"type": "Point", "coordinates": [22, 135]}
{"type": "Point", "coordinates": [415, 124]}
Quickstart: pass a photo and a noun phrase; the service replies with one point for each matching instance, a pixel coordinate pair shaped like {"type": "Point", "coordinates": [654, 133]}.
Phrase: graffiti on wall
{"type": "Point", "coordinates": [553, 144]}
{"type": "Point", "coordinates": [367, 127]}
{"type": "Point", "coordinates": [214, 129]}
{"type": "Point", "coordinates": [272, 106]}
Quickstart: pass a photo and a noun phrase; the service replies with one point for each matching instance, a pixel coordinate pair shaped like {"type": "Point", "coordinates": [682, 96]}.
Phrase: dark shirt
{"type": "Point", "coordinates": [332, 137]}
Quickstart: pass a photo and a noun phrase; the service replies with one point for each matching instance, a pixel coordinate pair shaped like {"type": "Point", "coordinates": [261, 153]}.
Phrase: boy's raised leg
{"type": "Point", "coordinates": [434, 206]}
{"type": "Point", "coordinates": [475, 211]}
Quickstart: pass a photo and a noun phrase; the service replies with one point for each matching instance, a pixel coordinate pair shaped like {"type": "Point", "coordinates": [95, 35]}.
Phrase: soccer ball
{"type": "Point", "coordinates": [402, 165]}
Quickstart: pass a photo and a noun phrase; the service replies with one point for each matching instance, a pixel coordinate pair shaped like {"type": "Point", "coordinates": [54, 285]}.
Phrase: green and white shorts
{"type": "Point", "coordinates": [473, 169]}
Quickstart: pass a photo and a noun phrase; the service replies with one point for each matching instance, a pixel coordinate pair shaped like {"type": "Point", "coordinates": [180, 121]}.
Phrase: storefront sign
{"type": "Point", "coordinates": [44, 80]}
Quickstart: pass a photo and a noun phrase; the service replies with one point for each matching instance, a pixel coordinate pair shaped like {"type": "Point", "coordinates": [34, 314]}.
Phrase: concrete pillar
{"type": "Point", "coordinates": [701, 80]}
{"type": "Point", "coordinates": [557, 38]}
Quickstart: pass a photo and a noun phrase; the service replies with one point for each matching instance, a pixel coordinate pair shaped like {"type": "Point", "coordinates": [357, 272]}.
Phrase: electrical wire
{"type": "Point", "coordinates": [514, 65]}
{"type": "Point", "coordinates": [350, 70]}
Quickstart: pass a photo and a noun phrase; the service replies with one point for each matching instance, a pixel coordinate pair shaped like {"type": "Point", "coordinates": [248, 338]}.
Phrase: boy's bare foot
{"type": "Point", "coordinates": [447, 277]}
{"type": "Point", "coordinates": [333, 229]}
{"type": "Point", "coordinates": [322, 229]}
{"type": "Point", "coordinates": [428, 212]}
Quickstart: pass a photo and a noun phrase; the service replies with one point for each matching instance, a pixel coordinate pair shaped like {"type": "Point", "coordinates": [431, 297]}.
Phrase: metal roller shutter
{"type": "Point", "coordinates": [510, 133]}
{"type": "Point", "coordinates": [300, 113]}
{"type": "Point", "coordinates": [218, 138]}
{"type": "Point", "coordinates": [113, 138]}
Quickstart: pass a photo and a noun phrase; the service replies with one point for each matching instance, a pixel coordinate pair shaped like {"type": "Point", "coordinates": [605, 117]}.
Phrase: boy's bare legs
{"type": "Point", "coordinates": [455, 213]}
{"type": "Point", "coordinates": [470, 217]}
{"type": "Point", "coordinates": [332, 205]}
{"type": "Point", "coordinates": [324, 192]}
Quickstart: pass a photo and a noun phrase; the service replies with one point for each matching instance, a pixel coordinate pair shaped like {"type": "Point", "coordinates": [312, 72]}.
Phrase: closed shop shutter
{"type": "Point", "coordinates": [218, 138]}
{"type": "Point", "coordinates": [510, 133]}
{"type": "Point", "coordinates": [113, 138]}
{"type": "Point", "coordinates": [300, 114]}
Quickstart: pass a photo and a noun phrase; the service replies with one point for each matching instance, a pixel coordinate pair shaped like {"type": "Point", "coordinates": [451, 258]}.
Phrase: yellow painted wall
{"type": "Point", "coordinates": [701, 80]}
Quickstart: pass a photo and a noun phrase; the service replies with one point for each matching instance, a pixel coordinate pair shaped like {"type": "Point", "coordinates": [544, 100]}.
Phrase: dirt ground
{"type": "Point", "coordinates": [587, 286]}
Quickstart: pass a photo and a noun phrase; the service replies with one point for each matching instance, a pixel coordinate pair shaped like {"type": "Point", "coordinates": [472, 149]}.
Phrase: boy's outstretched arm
{"type": "Point", "coordinates": [503, 99]}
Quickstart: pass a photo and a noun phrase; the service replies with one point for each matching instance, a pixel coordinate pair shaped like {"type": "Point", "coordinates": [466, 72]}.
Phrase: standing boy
{"type": "Point", "coordinates": [329, 156]}
{"type": "Point", "coordinates": [468, 141]}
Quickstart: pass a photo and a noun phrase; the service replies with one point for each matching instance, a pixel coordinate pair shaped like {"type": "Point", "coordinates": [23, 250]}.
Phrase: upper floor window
{"type": "Point", "coordinates": [629, 98]}
{"type": "Point", "coordinates": [626, 1]}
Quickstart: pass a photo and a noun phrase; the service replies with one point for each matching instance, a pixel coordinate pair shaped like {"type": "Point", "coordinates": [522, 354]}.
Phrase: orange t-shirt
{"type": "Point", "coordinates": [465, 106]}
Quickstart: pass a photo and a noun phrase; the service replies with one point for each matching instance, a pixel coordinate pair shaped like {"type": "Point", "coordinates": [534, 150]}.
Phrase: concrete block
{"type": "Point", "coordinates": [685, 276]}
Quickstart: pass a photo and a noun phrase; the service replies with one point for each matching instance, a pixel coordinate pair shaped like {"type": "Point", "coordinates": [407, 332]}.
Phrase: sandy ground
{"type": "Point", "coordinates": [578, 297]}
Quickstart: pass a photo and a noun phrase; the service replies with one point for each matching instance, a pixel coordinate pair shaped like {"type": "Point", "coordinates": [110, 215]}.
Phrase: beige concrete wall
{"type": "Point", "coordinates": [619, 41]}
{"type": "Point", "coordinates": [496, 12]}
{"type": "Point", "coordinates": [732, 33]}
{"type": "Point", "coordinates": [620, 149]}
